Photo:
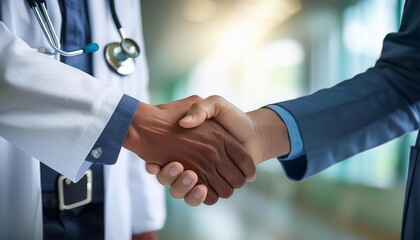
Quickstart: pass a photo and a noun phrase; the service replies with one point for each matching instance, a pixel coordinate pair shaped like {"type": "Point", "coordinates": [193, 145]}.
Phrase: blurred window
{"type": "Point", "coordinates": [365, 24]}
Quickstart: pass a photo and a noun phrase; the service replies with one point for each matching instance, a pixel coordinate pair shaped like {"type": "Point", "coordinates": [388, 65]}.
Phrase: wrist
{"type": "Point", "coordinates": [132, 139]}
{"type": "Point", "coordinates": [271, 134]}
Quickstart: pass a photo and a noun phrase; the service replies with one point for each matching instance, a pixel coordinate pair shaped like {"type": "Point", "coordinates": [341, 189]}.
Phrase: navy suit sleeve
{"type": "Point", "coordinates": [363, 112]}
{"type": "Point", "coordinates": [108, 146]}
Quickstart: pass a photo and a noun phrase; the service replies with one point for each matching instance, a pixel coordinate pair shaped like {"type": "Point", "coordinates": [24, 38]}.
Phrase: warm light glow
{"type": "Point", "coordinates": [199, 10]}
{"type": "Point", "coordinates": [241, 65]}
{"type": "Point", "coordinates": [285, 53]}
{"type": "Point", "coordinates": [255, 20]}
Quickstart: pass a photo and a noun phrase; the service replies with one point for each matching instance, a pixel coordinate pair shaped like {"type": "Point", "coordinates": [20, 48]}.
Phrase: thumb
{"type": "Point", "coordinates": [198, 113]}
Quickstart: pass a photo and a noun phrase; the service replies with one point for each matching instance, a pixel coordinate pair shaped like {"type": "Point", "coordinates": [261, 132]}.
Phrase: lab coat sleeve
{"type": "Point", "coordinates": [51, 111]}
{"type": "Point", "coordinates": [372, 108]}
{"type": "Point", "coordinates": [147, 199]}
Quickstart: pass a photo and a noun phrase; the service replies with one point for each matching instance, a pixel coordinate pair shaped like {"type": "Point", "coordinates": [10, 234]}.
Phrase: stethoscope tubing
{"type": "Point", "coordinates": [116, 19]}
{"type": "Point", "coordinates": [49, 32]}
{"type": "Point", "coordinates": [50, 26]}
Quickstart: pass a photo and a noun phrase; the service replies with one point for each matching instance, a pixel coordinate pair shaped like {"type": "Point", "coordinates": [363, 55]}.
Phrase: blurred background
{"type": "Point", "coordinates": [255, 52]}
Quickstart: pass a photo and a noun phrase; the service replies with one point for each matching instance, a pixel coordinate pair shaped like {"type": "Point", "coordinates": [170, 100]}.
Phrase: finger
{"type": "Point", "coordinates": [252, 178]}
{"type": "Point", "coordinates": [207, 108]}
{"type": "Point", "coordinates": [153, 168]}
{"type": "Point", "coordinates": [241, 158]}
{"type": "Point", "coordinates": [231, 173]}
{"type": "Point", "coordinates": [196, 196]}
{"type": "Point", "coordinates": [211, 197]}
{"type": "Point", "coordinates": [197, 114]}
{"type": "Point", "coordinates": [230, 117]}
{"type": "Point", "coordinates": [222, 188]}
{"type": "Point", "coordinates": [169, 173]}
{"type": "Point", "coordinates": [183, 184]}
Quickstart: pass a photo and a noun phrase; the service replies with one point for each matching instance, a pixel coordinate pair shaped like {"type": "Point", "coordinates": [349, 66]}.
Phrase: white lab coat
{"type": "Point", "coordinates": [56, 113]}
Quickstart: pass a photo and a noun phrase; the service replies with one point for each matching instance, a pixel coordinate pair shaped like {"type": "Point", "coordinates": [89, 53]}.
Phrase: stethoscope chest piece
{"type": "Point", "coordinates": [118, 60]}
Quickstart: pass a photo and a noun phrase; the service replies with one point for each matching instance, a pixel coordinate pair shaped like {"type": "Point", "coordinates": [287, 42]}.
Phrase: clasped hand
{"type": "Point", "coordinates": [205, 148]}
{"type": "Point", "coordinates": [213, 157]}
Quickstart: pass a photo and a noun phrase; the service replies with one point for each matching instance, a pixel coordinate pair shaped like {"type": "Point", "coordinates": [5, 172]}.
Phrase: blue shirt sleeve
{"type": "Point", "coordinates": [296, 143]}
{"type": "Point", "coordinates": [108, 146]}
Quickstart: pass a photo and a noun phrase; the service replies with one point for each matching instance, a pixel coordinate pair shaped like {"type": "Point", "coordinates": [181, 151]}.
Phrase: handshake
{"type": "Point", "coordinates": [205, 148]}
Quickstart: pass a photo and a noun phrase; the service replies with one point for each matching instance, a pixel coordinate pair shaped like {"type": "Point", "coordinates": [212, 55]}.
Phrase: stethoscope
{"type": "Point", "coordinates": [119, 56]}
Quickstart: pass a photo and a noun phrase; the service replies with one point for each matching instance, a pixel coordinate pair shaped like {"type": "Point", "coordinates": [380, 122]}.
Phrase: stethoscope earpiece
{"type": "Point", "coordinates": [90, 48]}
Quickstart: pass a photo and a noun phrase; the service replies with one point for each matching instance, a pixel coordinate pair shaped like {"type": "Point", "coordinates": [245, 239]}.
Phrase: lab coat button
{"type": "Point", "coordinates": [96, 153]}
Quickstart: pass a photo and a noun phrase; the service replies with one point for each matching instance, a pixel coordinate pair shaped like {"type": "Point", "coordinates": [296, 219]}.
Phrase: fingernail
{"type": "Point", "coordinates": [187, 118]}
{"type": "Point", "coordinates": [174, 171]}
{"type": "Point", "coordinates": [197, 194]}
{"type": "Point", "coordinates": [187, 180]}
{"type": "Point", "coordinates": [152, 170]}
{"type": "Point", "coordinates": [251, 179]}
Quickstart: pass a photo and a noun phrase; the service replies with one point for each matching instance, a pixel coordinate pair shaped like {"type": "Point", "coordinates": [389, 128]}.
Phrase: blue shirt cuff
{"type": "Point", "coordinates": [108, 146]}
{"type": "Point", "coordinates": [296, 143]}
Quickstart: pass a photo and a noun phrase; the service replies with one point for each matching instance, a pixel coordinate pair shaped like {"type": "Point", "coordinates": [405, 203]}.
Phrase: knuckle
{"type": "Point", "coordinates": [196, 106]}
{"type": "Point", "coordinates": [210, 152]}
{"type": "Point", "coordinates": [195, 98]}
{"type": "Point", "coordinates": [216, 98]}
